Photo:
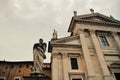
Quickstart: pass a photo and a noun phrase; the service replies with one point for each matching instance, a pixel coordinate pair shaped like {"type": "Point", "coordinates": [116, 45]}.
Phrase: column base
{"type": "Point", "coordinates": [108, 77]}
{"type": "Point", "coordinates": [95, 78]}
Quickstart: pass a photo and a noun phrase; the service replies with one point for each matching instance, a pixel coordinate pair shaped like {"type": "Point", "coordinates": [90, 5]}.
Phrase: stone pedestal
{"type": "Point", "coordinates": [36, 76]}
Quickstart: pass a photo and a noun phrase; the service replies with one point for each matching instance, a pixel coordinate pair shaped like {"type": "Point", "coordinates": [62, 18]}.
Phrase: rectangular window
{"type": "Point", "coordinates": [117, 76]}
{"type": "Point", "coordinates": [104, 41]}
{"type": "Point", "coordinates": [74, 64]}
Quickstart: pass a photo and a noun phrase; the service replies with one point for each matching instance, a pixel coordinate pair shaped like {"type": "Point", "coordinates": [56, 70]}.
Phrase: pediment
{"type": "Point", "coordinates": [97, 17]}
{"type": "Point", "coordinates": [72, 40]}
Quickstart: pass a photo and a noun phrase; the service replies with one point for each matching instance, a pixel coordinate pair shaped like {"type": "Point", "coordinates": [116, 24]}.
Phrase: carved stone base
{"type": "Point", "coordinates": [36, 76]}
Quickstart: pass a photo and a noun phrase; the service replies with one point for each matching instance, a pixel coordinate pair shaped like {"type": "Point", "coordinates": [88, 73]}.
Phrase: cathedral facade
{"type": "Point", "coordinates": [91, 52]}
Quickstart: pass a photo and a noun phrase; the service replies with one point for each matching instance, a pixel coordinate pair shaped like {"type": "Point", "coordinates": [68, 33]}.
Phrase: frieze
{"type": "Point", "coordinates": [102, 28]}
{"type": "Point", "coordinates": [67, 50]}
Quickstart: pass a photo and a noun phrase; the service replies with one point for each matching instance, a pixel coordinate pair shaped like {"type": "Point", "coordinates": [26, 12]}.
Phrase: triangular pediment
{"type": "Point", "coordinates": [97, 17]}
{"type": "Point", "coordinates": [71, 40]}
{"type": "Point", "coordinates": [94, 18]}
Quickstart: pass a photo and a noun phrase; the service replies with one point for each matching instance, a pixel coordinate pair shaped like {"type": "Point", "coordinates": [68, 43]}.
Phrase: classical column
{"type": "Point", "coordinates": [100, 55]}
{"type": "Point", "coordinates": [65, 66]}
{"type": "Point", "coordinates": [60, 66]}
{"type": "Point", "coordinates": [54, 66]}
{"type": "Point", "coordinates": [86, 54]}
{"type": "Point", "coordinates": [117, 39]}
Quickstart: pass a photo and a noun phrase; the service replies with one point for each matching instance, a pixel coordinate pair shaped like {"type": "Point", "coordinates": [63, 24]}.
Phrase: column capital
{"type": "Point", "coordinates": [114, 33]}
{"type": "Point", "coordinates": [80, 31]}
{"type": "Point", "coordinates": [92, 31]}
{"type": "Point", "coordinates": [54, 55]}
{"type": "Point", "coordinates": [64, 55]}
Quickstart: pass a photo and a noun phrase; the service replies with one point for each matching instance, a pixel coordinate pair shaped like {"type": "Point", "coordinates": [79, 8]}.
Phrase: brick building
{"type": "Point", "coordinates": [16, 70]}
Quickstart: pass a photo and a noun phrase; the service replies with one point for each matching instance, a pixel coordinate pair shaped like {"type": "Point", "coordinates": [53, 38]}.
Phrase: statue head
{"type": "Point", "coordinates": [40, 40]}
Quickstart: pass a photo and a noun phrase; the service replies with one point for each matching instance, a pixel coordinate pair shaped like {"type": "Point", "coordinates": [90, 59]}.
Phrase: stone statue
{"type": "Point", "coordinates": [38, 55]}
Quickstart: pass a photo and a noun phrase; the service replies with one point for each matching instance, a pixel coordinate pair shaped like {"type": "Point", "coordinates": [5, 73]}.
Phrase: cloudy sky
{"type": "Point", "coordinates": [23, 22]}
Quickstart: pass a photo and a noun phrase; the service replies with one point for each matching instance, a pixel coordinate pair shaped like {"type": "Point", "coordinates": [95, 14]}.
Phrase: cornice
{"type": "Point", "coordinates": [65, 39]}
{"type": "Point", "coordinates": [66, 45]}
{"type": "Point", "coordinates": [97, 22]}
